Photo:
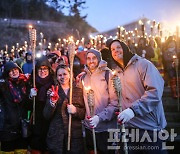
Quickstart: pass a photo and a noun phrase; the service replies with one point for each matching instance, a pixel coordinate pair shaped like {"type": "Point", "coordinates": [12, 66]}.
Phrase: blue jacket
{"type": "Point", "coordinates": [27, 68]}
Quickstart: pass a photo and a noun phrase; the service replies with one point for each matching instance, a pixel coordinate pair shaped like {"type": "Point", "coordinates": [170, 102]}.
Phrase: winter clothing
{"type": "Point", "coordinates": [28, 66]}
{"type": "Point", "coordinates": [104, 97]}
{"type": "Point", "coordinates": [58, 130]}
{"type": "Point", "coordinates": [140, 78]}
{"type": "Point", "coordinates": [142, 90]}
{"type": "Point", "coordinates": [126, 55]}
{"type": "Point", "coordinates": [40, 129]}
{"type": "Point", "coordinates": [96, 53]}
{"type": "Point", "coordinates": [170, 57]}
{"type": "Point", "coordinates": [8, 67]}
{"type": "Point", "coordinates": [147, 93]}
{"type": "Point", "coordinates": [102, 115]}
{"type": "Point", "coordinates": [13, 106]}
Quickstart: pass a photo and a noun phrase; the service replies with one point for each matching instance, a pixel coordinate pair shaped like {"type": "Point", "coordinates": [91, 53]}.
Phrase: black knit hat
{"type": "Point", "coordinates": [96, 53]}
{"type": "Point", "coordinates": [8, 67]}
{"type": "Point", "coordinates": [127, 54]}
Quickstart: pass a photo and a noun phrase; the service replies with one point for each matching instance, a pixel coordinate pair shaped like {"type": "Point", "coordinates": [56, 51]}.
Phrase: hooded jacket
{"type": "Point", "coordinates": [105, 99]}
{"type": "Point", "coordinates": [142, 90]}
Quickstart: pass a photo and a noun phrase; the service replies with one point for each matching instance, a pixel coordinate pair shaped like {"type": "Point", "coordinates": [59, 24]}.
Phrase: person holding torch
{"type": "Point", "coordinates": [98, 79]}
{"type": "Point", "coordinates": [58, 109]}
{"type": "Point", "coordinates": [142, 89]}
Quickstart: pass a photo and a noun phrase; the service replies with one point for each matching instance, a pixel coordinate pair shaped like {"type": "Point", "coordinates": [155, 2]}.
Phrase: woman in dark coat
{"type": "Point", "coordinates": [44, 80]}
{"type": "Point", "coordinates": [13, 107]}
{"type": "Point", "coordinates": [58, 109]}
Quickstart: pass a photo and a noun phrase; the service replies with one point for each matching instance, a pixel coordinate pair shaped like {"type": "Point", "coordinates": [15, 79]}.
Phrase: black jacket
{"type": "Point", "coordinates": [11, 113]}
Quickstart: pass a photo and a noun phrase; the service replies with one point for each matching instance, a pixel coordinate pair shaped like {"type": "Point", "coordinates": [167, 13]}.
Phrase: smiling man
{"type": "Point", "coordinates": [98, 78]}
{"type": "Point", "coordinates": [142, 89]}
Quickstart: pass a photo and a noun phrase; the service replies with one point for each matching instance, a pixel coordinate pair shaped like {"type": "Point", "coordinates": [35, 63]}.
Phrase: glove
{"type": "Point", "coordinates": [54, 94]}
{"type": "Point", "coordinates": [94, 121]}
{"type": "Point", "coordinates": [126, 115]}
{"type": "Point", "coordinates": [33, 92]}
{"type": "Point", "coordinates": [24, 77]}
{"type": "Point", "coordinates": [71, 109]}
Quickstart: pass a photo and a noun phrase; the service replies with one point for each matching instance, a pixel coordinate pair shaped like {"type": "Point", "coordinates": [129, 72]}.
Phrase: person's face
{"type": "Point", "coordinates": [14, 73]}
{"type": "Point", "coordinates": [92, 62]}
{"type": "Point", "coordinates": [29, 57]}
{"type": "Point", "coordinates": [43, 72]}
{"type": "Point", "coordinates": [117, 52]}
{"type": "Point", "coordinates": [63, 76]}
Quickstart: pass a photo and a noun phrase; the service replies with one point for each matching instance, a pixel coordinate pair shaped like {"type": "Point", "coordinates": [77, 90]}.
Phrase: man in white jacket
{"type": "Point", "coordinates": [98, 78]}
{"type": "Point", "coordinates": [142, 90]}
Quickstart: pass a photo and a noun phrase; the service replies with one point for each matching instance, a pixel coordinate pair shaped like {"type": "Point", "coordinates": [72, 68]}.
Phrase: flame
{"type": "Point", "coordinates": [114, 72]}
{"type": "Point", "coordinates": [86, 88]}
{"type": "Point", "coordinates": [174, 57]}
{"type": "Point", "coordinates": [71, 39]}
{"type": "Point", "coordinates": [30, 26]}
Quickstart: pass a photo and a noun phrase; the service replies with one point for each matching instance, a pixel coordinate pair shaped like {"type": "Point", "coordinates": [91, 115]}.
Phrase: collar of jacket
{"type": "Point", "coordinates": [132, 61]}
{"type": "Point", "coordinates": [101, 67]}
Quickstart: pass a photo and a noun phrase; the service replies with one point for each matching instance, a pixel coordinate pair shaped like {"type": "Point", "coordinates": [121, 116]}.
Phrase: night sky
{"type": "Point", "coordinates": [108, 14]}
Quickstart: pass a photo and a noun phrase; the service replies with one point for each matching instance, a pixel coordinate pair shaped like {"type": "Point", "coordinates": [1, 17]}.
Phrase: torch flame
{"type": "Point", "coordinates": [114, 72]}
{"type": "Point", "coordinates": [30, 26]}
{"type": "Point", "coordinates": [86, 88]}
{"type": "Point", "coordinates": [174, 57]}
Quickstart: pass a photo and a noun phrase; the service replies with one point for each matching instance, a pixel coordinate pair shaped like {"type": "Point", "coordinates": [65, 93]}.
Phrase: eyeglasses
{"type": "Point", "coordinates": [44, 69]}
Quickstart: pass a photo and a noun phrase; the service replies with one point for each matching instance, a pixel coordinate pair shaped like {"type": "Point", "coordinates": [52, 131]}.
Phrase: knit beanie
{"type": "Point", "coordinates": [96, 53]}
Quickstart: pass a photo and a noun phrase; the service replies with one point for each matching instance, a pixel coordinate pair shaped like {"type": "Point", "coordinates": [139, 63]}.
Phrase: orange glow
{"type": "Point", "coordinates": [174, 57]}
{"type": "Point", "coordinates": [86, 88]}
{"type": "Point", "coordinates": [30, 26]}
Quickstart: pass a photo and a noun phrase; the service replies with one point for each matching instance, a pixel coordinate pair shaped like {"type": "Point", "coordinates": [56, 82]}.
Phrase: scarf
{"type": "Point", "coordinates": [42, 85]}
{"type": "Point", "coordinates": [17, 87]}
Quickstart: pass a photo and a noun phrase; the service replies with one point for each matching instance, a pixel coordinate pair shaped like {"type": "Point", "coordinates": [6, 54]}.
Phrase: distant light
{"type": "Point", "coordinates": [140, 22]}
{"type": "Point", "coordinates": [149, 21]}
{"type": "Point", "coordinates": [163, 40]}
{"type": "Point", "coordinates": [38, 55]}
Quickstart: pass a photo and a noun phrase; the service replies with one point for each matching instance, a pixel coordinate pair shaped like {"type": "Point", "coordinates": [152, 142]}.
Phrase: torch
{"type": "Point", "coordinates": [90, 97]}
{"type": "Point", "coordinates": [90, 101]}
{"type": "Point", "coordinates": [32, 36]}
{"type": "Point", "coordinates": [143, 29]}
{"type": "Point", "coordinates": [119, 32]}
{"type": "Point", "coordinates": [117, 86]}
{"type": "Point", "coordinates": [71, 59]}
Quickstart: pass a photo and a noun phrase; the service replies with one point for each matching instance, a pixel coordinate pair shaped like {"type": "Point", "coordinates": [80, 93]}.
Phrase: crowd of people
{"type": "Point", "coordinates": [139, 69]}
